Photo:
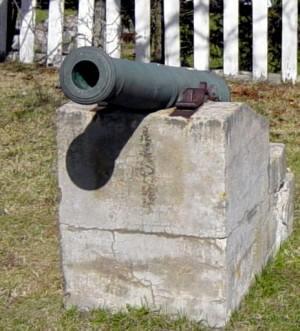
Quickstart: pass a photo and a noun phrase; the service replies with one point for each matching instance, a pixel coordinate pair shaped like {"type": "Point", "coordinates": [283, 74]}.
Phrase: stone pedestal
{"type": "Point", "coordinates": [169, 211]}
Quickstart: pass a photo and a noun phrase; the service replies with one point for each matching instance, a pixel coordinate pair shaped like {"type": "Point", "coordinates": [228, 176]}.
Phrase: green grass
{"type": "Point", "coordinates": [31, 293]}
{"type": "Point", "coordinates": [42, 14]}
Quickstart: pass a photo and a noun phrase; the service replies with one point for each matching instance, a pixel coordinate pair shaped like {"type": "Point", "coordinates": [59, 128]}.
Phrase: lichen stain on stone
{"type": "Point", "coordinates": [181, 275]}
{"type": "Point", "coordinates": [171, 167]}
{"type": "Point", "coordinates": [237, 272]}
{"type": "Point", "coordinates": [178, 276]}
{"type": "Point", "coordinates": [147, 171]}
{"type": "Point", "coordinates": [120, 274]}
{"type": "Point", "coordinates": [250, 215]}
{"type": "Point", "coordinates": [179, 122]}
{"type": "Point", "coordinates": [206, 131]}
{"type": "Point", "coordinates": [214, 124]}
{"type": "Point", "coordinates": [116, 289]}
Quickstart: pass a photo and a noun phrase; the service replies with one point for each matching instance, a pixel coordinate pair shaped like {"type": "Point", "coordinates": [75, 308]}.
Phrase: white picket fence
{"type": "Point", "coordinates": [172, 33]}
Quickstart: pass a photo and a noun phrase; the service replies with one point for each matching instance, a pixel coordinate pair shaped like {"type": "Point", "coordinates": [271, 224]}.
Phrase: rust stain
{"type": "Point", "coordinates": [186, 113]}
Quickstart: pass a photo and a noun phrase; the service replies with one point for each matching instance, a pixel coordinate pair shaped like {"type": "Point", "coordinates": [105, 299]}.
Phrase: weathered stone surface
{"type": "Point", "coordinates": [284, 209]}
{"type": "Point", "coordinates": [243, 255]}
{"type": "Point", "coordinates": [111, 269]}
{"type": "Point", "coordinates": [173, 212]}
{"type": "Point", "coordinates": [277, 167]}
{"type": "Point", "coordinates": [161, 156]}
{"type": "Point", "coordinates": [247, 159]}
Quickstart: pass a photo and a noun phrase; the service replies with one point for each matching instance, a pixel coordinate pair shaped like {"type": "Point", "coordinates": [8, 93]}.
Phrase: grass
{"type": "Point", "coordinates": [42, 14]}
{"type": "Point", "coordinates": [31, 293]}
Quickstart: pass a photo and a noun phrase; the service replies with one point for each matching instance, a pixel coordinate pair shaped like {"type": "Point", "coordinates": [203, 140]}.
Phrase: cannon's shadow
{"type": "Point", "coordinates": [91, 156]}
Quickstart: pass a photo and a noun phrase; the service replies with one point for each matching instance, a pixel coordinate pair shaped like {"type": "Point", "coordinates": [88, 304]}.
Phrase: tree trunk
{"type": "Point", "coordinates": [157, 33]}
{"type": "Point", "coordinates": [99, 24]}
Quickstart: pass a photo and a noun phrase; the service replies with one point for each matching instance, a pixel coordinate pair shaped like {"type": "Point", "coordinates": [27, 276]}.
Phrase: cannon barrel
{"type": "Point", "coordinates": [88, 75]}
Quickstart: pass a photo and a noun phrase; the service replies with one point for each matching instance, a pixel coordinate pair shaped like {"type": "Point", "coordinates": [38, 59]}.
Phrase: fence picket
{"type": "Point", "coordinates": [113, 28]}
{"type": "Point", "coordinates": [172, 32]}
{"type": "Point", "coordinates": [260, 39]}
{"type": "Point", "coordinates": [55, 32]}
{"type": "Point", "coordinates": [231, 37]}
{"type": "Point", "coordinates": [3, 28]}
{"type": "Point", "coordinates": [26, 53]}
{"type": "Point", "coordinates": [289, 40]}
{"type": "Point", "coordinates": [201, 34]}
{"type": "Point", "coordinates": [85, 22]}
{"type": "Point", "coordinates": [142, 30]}
{"type": "Point", "coordinates": [171, 10]}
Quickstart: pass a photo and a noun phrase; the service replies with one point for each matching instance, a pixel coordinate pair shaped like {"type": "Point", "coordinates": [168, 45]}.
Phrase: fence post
{"type": "Point", "coordinates": [231, 37]}
{"type": "Point", "coordinates": [113, 28]}
{"type": "Point", "coordinates": [26, 52]}
{"type": "Point", "coordinates": [201, 34]}
{"type": "Point", "coordinates": [3, 28]}
{"type": "Point", "coordinates": [55, 32]}
{"type": "Point", "coordinates": [260, 39]}
{"type": "Point", "coordinates": [142, 30]}
{"type": "Point", "coordinates": [172, 32]}
{"type": "Point", "coordinates": [85, 22]}
{"type": "Point", "coordinates": [289, 40]}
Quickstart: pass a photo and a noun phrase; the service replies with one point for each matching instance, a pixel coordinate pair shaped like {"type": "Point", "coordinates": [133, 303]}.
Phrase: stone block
{"type": "Point", "coordinates": [284, 209]}
{"type": "Point", "coordinates": [277, 167]}
{"type": "Point", "coordinates": [140, 170]}
{"type": "Point", "coordinates": [112, 269]}
{"type": "Point", "coordinates": [169, 211]}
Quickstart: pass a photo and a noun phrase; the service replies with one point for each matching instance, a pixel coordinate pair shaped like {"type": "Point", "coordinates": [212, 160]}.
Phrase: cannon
{"type": "Point", "coordinates": [88, 75]}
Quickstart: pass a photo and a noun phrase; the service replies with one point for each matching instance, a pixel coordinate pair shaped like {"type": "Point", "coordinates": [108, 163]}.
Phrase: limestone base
{"type": "Point", "coordinates": [177, 212]}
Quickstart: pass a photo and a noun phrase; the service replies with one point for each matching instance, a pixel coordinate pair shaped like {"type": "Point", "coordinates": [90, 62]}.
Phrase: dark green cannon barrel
{"type": "Point", "coordinates": [88, 75]}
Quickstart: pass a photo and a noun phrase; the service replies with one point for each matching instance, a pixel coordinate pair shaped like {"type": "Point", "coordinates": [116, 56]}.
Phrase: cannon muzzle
{"type": "Point", "coordinates": [88, 75]}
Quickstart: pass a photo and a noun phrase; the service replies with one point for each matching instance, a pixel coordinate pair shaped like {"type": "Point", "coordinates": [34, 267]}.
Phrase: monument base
{"type": "Point", "coordinates": [168, 211]}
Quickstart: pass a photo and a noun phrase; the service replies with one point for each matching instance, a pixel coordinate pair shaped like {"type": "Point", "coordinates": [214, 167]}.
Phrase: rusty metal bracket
{"type": "Point", "coordinates": [191, 99]}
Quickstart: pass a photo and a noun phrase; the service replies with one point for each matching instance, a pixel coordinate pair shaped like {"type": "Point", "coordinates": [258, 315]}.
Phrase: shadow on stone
{"type": "Point", "coordinates": [91, 156]}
